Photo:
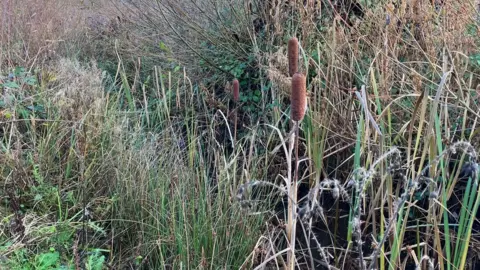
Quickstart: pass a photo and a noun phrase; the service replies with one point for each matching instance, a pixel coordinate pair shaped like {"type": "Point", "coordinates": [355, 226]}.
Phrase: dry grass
{"type": "Point", "coordinates": [35, 31]}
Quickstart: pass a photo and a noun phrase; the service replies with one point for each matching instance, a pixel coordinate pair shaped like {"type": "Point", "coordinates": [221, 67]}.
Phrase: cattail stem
{"type": "Point", "coordinates": [292, 215]}
{"type": "Point", "coordinates": [236, 97]}
{"type": "Point", "coordinates": [295, 177]}
{"type": "Point", "coordinates": [235, 128]}
{"type": "Point", "coordinates": [292, 203]}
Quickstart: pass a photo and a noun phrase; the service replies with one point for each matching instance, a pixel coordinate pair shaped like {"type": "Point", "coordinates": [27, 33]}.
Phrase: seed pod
{"type": "Point", "coordinates": [236, 90]}
{"type": "Point", "coordinates": [292, 56]}
{"type": "Point", "coordinates": [298, 98]}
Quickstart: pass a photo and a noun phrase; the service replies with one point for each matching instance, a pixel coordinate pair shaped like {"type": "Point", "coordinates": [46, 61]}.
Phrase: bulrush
{"type": "Point", "coordinates": [236, 90]}
{"type": "Point", "coordinates": [298, 97]}
{"type": "Point", "coordinates": [292, 56]}
{"type": "Point", "coordinates": [298, 101]}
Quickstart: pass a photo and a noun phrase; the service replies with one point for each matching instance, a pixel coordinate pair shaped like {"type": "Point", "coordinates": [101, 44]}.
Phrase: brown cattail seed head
{"type": "Point", "coordinates": [236, 90]}
{"type": "Point", "coordinates": [298, 97]}
{"type": "Point", "coordinates": [292, 56]}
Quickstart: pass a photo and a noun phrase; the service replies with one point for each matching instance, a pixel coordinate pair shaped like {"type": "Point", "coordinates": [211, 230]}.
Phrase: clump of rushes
{"type": "Point", "coordinates": [236, 98]}
{"type": "Point", "coordinates": [298, 102]}
{"type": "Point", "coordinates": [292, 56]}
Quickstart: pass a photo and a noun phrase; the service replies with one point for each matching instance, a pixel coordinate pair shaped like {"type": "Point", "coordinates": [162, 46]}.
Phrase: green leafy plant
{"type": "Point", "coordinates": [95, 260]}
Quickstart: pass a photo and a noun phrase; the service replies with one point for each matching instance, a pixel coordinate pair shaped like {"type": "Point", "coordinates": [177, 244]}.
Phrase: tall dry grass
{"type": "Point", "coordinates": [35, 31]}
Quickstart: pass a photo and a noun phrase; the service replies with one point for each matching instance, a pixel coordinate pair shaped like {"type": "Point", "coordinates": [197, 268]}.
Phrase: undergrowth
{"type": "Point", "coordinates": [158, 135]}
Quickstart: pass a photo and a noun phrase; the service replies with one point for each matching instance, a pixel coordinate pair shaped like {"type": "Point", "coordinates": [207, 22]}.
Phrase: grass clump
{"type": "Point", "coordinates": [101, 181]}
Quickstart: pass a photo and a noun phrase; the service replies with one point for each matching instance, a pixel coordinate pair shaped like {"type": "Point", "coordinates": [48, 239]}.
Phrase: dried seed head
{"type": "Point", "coordinates": [236, 90]}
{"type": "Point", "coordinates": [293, 56]}
{"type": "Point", "coordinates": [298, 97]}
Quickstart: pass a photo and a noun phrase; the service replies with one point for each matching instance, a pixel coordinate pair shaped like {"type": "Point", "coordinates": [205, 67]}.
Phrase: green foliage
{"type": "Point", "coordinates": [475, 60]}
{"type": "Point", "coordinates": [95, 261]}
{"type": "Point", "coordinates": [19, 85]}
{"type": "Point", "coordinates": [251, 101]}
{"type": "Point", "coordinates": [18, 78]}
{"type": "Point", "coordinates": [47, 260]}
{"type": "Point", "coordinates": [50, 260]}
{"type": "Point", "coordinates": [21, 259]}
{"type": "Point", "coordinates": [232, 63]}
